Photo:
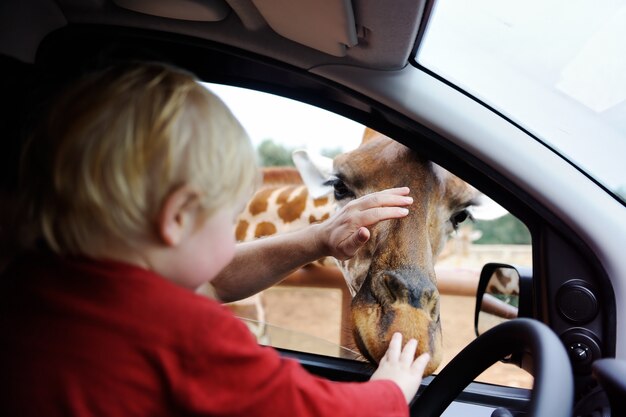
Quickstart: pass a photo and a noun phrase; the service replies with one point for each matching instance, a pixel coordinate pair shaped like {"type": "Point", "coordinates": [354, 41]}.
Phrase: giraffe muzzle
{"type": "Point", "coordinates": [397, 301]}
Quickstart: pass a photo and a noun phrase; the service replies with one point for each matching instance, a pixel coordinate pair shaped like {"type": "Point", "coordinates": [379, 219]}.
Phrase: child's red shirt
{"type": "Point", "coordinates": [86, 338]}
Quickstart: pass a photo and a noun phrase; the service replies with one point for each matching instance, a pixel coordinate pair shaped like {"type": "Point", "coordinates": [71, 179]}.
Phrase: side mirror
{"type": "Point", "coordinates": [504, 293]}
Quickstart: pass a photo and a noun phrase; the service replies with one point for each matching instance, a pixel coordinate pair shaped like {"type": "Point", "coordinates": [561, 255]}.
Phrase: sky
{"type": "Point", "coordinates": [291, 123]}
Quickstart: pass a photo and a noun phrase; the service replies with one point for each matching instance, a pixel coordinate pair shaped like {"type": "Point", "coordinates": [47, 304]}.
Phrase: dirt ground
{"type": "Point", "coordinates": [316, 312]}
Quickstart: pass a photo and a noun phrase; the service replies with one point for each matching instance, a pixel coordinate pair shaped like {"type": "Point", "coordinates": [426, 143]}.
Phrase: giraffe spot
{"type": "Point", "coordinates": [492, 289]}
{"type": "Point", "coordinates": [259, 202]}
{"type": "Point", "coordinates": [240, 231]}
{"type": "Point", "coordinates": [504, 279]}
{"type": "Point", "coordinates": [283, 197]}
{"type": "Point", "coordinates": [264, 229]}
{"type": "Point", "coordinates": [292, 210]}
{"type": "Point", "coordinates": [320, 201]}
{"type": "Point", "coordinates": [313, 219]}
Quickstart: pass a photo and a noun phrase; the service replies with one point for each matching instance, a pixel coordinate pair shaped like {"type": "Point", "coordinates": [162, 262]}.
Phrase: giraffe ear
{"type": "Point", "coordinates": [487, 209]}
{"type": "Point", "coordinates": [315, 171]}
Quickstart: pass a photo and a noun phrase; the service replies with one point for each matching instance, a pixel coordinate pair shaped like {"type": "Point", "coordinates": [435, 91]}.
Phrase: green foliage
{"type": "Point", "coordinates": [506, 230]}
{"type": "Point", "coordinates": [512, 300]}
{"type": "Point", "coordinates": [274, 154]}
{"type": "Point", "coordinates": [332, 152]}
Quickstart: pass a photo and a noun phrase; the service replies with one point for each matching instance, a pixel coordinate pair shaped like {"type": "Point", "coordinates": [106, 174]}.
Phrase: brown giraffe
{"type": "Point", "coordinates": [392, 279]}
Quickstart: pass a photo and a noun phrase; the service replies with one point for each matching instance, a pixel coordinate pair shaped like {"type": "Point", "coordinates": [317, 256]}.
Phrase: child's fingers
{"type": "Point", "coordinates": [419, 364]}
{"type": "Point", "coordinates": [408, 352]}
{"type": "Point", "coordinates": [393, 351]}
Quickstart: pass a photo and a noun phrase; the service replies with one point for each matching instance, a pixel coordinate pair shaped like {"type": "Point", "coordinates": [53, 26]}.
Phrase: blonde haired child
{"type": "Point", "coordinates": [133, 184]}
{"type": "Point", "coordinates": [116, 145]}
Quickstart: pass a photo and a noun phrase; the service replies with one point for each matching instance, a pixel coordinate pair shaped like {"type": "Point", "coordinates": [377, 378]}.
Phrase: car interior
{"type": "Point", "coordinates": [358, 59]}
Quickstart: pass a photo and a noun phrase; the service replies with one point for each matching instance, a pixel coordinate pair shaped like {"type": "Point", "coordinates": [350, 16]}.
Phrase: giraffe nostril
{"type": "Point", "coordinates": [415, 289]}
{"type": "Point", "coordinates": [395, 289]}
{"type": "Point", "coordinates": [390, 289]}
{"type": "Point", "coordinates": [434, 310]}
{"type": "Point", "coordinates": [432, 303]}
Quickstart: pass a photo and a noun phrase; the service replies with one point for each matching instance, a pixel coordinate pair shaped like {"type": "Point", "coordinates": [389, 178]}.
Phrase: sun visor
{"type": "Point", "coordinates": [327, 26]}
{"type": "Point", "coordinates": [199, 11]}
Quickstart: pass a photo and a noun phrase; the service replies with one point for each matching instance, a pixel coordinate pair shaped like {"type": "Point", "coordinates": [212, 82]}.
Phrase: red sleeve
{"type": "Point", "coordinates": [230, 374]}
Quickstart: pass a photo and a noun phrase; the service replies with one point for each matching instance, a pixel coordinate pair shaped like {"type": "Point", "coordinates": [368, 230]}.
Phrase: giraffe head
{"type": "Point", "coordinates": [392, 278]}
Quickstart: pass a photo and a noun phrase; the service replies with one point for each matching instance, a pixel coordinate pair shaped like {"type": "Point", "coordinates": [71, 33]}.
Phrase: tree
{"type": "Point", "coordinates": [504, 230]}
{"type": "Point", "coordinates": [274, 154]}
{"type": "Point", "coordinates": [332, 152]}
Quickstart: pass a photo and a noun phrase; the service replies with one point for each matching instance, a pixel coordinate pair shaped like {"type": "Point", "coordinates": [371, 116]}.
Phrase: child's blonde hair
{"type": "Point", "coordinates": [117, 143]}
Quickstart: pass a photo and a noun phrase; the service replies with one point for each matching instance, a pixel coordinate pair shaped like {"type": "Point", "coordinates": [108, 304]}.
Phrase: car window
{"type": "Point", "coordinates": [555, 67]}
{"type": "Point", "coordinates": [309, 311]}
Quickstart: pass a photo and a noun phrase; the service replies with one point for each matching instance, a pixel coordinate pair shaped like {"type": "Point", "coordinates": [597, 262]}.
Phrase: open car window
{"type": "Point", "coordinates": [310, 311]}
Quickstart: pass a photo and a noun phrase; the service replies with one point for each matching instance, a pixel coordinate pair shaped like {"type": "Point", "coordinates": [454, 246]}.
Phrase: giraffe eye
{"type": "Point", "coordinates": [340, 189]}
{"type": "Point", "coordinates": [459, 217]}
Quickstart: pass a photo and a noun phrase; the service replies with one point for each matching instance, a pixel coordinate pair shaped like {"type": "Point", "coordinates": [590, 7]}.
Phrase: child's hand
{"type": "Point", "coordinates": [398, 365]}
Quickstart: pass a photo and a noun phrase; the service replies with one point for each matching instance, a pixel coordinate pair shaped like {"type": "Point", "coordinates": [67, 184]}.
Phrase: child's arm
{"type": "Point", "coordinates": [399, 366]}
{"type": "Point", "coordinates": [262, 263]}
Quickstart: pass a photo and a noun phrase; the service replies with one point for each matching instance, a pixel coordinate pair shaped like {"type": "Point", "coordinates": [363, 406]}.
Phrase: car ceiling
{"type": "Point", "coordinates": [303, 33]}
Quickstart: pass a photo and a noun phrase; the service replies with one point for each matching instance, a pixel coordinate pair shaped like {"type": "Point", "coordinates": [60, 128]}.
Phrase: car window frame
{"type": "Point", "coordinates": [70, 51]}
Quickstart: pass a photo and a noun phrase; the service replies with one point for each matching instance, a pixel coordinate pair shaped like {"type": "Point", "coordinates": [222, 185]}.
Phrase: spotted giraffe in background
{"type": "Point", "coordinates": [504, 281]}
{"type": "Point", "coordinates": [502, 294]}
{"type": "Point", "coordinates": [282, 204]}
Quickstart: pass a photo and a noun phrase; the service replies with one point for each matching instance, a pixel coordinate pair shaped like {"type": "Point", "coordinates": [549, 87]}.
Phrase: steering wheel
{"type": "Point", "coordinates": [553, 388]}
